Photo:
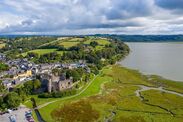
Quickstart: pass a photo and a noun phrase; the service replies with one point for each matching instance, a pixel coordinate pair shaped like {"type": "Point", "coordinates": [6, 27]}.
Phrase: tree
{"type": "Point", "coordinates": [28, 87]}
{"type": "Point", "coordinates": [93, 43]}
{"type": "Point", "coordinates": [36, 84]}
{"type": "Point", "coordinates": [68, 74]}
{"type": "Point", "coordinates": [75, 75]}
{"type": "Point", "coordinates": [32, 55]}
{"type": "Point", "coordinates": [3, 67]}
{"type": "Point", "coordinates": [21, 93]}
{"type": "Point", "coordinates": [12, 100]}
{"type": "Point", "coordinates": [1, 86]}
{"type": "Point", "coordinates": [56, 71]}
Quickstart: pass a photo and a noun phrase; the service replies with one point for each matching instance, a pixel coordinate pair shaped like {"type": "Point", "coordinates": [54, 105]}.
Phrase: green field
{"type": "Point", "coordinates": [118, 95]}
{"type": "Point", "coordinates": [67, 43]}
{"type": "Point", "coordinates": [2, 45]}
{"type": "Point", "coordinates": [43, 51]}
{"type": "Point", "coordinates": [100, 41]}
{"type": "Point", "coordinates": [75, 40]}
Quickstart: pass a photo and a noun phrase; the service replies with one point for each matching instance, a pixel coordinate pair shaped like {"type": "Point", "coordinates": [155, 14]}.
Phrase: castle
{"type": "Point", "coordinates": [56, 83]}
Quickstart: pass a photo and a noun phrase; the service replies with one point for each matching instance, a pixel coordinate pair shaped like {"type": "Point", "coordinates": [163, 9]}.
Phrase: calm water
{"type": "Point", "coordinates": [164, 59]}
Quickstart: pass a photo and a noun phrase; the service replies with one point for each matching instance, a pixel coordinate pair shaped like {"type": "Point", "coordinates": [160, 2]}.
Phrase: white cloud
{"type": "Point", "coordinates": [89, 17]}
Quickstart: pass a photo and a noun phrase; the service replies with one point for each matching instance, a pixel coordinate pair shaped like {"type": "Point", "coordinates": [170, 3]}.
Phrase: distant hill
{"type": "Point", "coordinates": [145, 38]}
{"type": "Point", "coordinates": [126, 38]}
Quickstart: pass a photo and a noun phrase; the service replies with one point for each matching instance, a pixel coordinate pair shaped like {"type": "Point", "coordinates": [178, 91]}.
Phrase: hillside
{"type": "Point", "coordinates": [146, 38]}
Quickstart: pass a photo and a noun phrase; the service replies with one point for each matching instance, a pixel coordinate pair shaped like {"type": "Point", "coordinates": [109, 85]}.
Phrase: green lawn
{"type": "Point", "coordinates": [43, 51]}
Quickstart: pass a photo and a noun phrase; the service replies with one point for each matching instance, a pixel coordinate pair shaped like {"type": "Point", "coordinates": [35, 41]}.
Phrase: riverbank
{"type": "Point", "coordinates": [119, 95]}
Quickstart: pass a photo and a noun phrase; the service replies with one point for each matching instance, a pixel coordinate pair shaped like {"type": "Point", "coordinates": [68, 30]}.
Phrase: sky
{"type": "Point", "coordinates": [80, 17]}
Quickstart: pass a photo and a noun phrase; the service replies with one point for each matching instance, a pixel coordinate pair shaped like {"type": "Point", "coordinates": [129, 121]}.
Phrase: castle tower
{"type": "Point", "coordinates": [49, 85]}
{"type": "Point", "coordinates": [60, 86]}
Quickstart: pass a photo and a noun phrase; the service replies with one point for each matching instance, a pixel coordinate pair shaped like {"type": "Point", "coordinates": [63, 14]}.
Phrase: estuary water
{"type": "Point", "coordinates": [164, 59]}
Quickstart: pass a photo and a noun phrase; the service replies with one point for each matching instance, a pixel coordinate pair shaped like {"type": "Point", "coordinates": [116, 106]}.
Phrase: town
{"type": "Point", "coordinates": [22, 70]}
{"type": "Point", "coordinates": [33, 69]}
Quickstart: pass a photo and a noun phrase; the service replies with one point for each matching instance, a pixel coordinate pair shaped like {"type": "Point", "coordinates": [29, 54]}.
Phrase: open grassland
{"type": "Point", "coordinates": [75, 39]}
{"type": "Point", "coordinates": [116, 100]}
{"type": "Point", "coordinates": [100, 41]}
{"type": "Point", "coordinates": [69, 42]}
{"type": "Point", "coordinates": [2, 45]}
{"type": "Point", "coordinates": [43, 51]}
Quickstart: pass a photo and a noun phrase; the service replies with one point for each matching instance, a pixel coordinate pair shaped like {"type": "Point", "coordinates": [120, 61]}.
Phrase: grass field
{"type": "Point", "coordinates": [76, 40]}
{"type": "Point", "coordinates": [117, 95]}
{"type": "Point", "coordinates": [100, 41]}
{"type": "Point", "coordinates": [43, 51]}
{"type": "Point", "coordinates": [2, 45]}
{"type": "Point", "coordinates": [67, 43]}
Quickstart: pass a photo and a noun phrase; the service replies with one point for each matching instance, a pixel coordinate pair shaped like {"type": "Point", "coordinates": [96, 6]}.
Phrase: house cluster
{"type": "Point", "coordinates": [22, 70]}
{"type": "Point", "coordinates": [2, 57]}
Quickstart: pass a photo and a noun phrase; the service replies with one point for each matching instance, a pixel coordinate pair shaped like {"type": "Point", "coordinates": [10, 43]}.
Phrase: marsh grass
{"type": "Point", "coordinates": [114, 91]}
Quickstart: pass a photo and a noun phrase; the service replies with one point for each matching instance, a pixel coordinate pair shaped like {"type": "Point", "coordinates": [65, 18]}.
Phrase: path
{"type": "Point", "coordinates": [145, 88]}
{"type": "Point", "coordinates": [57, 40]}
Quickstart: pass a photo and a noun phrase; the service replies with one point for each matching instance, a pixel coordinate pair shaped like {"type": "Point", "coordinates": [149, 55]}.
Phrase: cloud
{"type": "Point", "coordinates": [90, 16]}
{"type": "Point", "coordinates": [123, 9]}
{"type": "Point", "coordinates": [170, 4]}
